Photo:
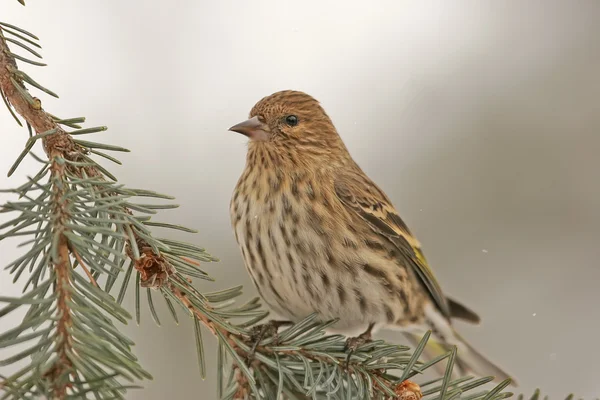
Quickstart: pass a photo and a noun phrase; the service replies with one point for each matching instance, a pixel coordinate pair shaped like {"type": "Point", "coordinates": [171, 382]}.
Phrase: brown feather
{"type": "Point", "coordinates": [362, 196]}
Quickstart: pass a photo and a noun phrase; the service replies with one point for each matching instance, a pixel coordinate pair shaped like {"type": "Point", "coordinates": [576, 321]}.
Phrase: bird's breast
{"type": "Point", "coordinates": [306, 255]}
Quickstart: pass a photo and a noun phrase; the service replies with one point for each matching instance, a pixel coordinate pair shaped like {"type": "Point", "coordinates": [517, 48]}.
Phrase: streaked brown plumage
{"type": "Point", "coordinates": [317, 235]}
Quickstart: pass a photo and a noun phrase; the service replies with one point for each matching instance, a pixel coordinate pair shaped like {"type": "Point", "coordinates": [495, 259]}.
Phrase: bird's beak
{"type": "Point", "coordinates": [252, 128]}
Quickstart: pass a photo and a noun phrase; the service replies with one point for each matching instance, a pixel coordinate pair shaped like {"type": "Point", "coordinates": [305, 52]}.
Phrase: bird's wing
{"type": "Point", "coordinates": [362, 196]}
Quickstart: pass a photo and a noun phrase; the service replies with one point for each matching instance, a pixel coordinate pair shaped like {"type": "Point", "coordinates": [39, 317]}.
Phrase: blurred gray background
{"type": "Point", "coordinates": [481, 120]}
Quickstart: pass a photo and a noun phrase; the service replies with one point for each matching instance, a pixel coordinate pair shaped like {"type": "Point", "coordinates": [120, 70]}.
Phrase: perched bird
{"type": "Point", "coordinates": [318, 236]}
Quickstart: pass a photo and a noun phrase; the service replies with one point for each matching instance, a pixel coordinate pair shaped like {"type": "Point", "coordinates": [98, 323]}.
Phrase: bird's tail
{"type": "Point", "coordinates": [443, 337]}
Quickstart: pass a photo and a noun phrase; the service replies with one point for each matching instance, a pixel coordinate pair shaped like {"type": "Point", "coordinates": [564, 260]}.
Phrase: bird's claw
{"type": "Point", "coordinates": [353, 343]}
{"type": "Point", "coordinates": [259, 332]}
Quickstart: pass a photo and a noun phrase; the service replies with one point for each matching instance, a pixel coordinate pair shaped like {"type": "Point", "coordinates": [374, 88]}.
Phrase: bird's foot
{"type": "Point", "coordinates": [259, 332]}
{"type": "Point", "coordinates": [353, 343]}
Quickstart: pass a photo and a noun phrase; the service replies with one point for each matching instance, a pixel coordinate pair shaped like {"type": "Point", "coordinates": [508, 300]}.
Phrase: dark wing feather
{"type": "Point", "coordinates": [360, 195]}
{"type": "Point", "coordinates": [460, 311]}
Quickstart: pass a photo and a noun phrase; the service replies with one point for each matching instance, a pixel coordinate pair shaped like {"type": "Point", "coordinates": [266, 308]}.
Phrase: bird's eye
{"type": "Point", "coordinates": [291, 120]}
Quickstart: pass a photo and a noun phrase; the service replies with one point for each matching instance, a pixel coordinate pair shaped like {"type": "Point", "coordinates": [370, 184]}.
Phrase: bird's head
{"type": "Point", "coordinates": [293, 120]}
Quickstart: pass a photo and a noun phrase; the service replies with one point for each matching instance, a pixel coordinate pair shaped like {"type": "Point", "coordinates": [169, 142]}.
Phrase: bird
{"type": "Point", "coordinates": [318, 236]}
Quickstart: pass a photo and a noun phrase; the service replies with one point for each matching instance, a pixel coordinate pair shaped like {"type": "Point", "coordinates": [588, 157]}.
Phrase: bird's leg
{"type": "Point", "coordinates": [258, 333]}
{"type": "Point", "coordinates": [354, 343]}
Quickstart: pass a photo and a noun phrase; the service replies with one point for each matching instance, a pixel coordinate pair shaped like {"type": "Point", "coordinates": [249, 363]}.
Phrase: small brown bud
{"type": "Point", "coordinates": [408, 390]}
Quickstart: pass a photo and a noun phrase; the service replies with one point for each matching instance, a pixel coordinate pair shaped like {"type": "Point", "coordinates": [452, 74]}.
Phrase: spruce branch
{"type": "Point", "coordinates": [79, 349]}
{"type": "Point", "coordinates": [78, 215]}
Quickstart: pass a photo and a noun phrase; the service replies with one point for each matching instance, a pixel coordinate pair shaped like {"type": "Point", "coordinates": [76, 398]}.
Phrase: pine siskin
{"type": "Point", "coordinates": [318, 236]}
